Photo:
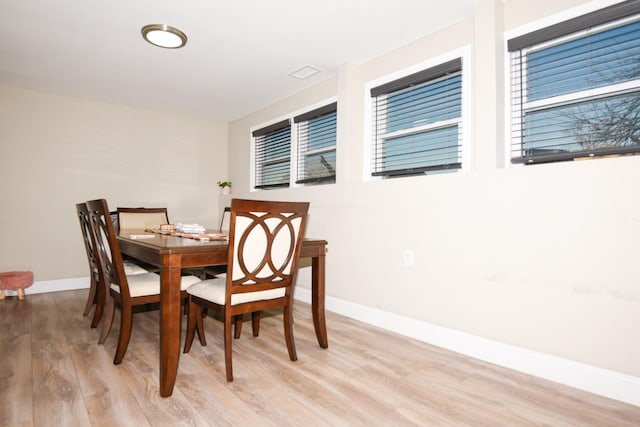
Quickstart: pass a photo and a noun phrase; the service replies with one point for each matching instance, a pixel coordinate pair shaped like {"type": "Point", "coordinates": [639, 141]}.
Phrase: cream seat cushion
{"type": "Point", "coordinates": [214, 290]}
{"type": "Point", "coordinates": [131, 268]}
{"type": "Point", "coordinates": [149, 284]}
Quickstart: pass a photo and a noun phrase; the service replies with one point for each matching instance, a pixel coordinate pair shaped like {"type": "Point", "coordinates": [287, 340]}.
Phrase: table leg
{"type": "Point", "coordinates": [317, 299]}
{"type": "Point", "coordinates": [170, 312]}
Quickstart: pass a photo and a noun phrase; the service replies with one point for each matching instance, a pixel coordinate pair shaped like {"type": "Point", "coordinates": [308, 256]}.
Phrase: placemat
{"type": "Point", "coordinates": [203, 237]}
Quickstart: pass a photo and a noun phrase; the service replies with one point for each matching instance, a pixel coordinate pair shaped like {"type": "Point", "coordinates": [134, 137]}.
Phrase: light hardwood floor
{"type": "Point", "coordinates": [53, 373]}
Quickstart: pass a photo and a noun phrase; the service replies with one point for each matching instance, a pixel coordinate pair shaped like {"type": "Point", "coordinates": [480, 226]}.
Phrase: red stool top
{"type": "Point", "coordinates": [13, 280]}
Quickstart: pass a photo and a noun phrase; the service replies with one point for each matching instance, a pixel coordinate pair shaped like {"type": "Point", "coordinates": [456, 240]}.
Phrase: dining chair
{"type": "Point", "coordinates": [216, 270]}
{"type": "Point", "coordinates": [97, 294]}
{"type": "Point", "coordinates": [141, 218]}
{"type": "Point", "coordinates": [94, 292]}
{"type": "Point", "coordinates": [125, 291]}
{"type": "Point", "coordinates": [264, 246]}
{"type": "Point", "coordinates": [225, 211]}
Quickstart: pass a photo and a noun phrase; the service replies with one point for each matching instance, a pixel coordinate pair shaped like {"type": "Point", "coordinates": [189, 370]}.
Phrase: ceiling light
{"type": "Point", "coordinates": [304, 72]}
{"type": "Point", "coordinates": [164, 36]}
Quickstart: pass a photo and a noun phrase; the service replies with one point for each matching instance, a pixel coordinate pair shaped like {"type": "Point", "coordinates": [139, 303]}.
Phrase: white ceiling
{"type": "Point", "coordinates": [237, 58]}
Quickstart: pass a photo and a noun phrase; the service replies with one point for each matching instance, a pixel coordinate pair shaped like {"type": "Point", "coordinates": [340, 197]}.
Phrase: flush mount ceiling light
{"type": "Point", "coordinates": [164, 36]}
{"type": "Point", "coordinates": [304, 72]}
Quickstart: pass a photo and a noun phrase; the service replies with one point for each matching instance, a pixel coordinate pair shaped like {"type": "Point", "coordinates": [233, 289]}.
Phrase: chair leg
{"type": "Point", "coordinates": [191, 328]}
{"type": "Point", "coordinates": [100, 301]}
{"type": "Point", "coordinates": [199, 323]}
{"type": "Point", "coordinates": [97, 315]}
{"type": "Point", "coordinates": [227, 346]}
{"type": "Point", "coordinates": [288, 332]}
{"type": "Point", "coordinates": [126, 315]}
{"type": "Point", "coordinates": [194, 324]}
{"type": "Point", "coordinates": [237, 325]}
{"type": "Point", "coordinates": [109, 311]}
{"type": "Point", "coordinates": [100, 298]}
{"type": "Point", "coordinates": [255, 323]}
{"type": "Point", "coordinates": [91, 299]}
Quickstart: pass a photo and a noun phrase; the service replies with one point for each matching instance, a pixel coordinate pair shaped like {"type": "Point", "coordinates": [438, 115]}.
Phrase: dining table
{"type": "Point", "coordinates": [172, 253]}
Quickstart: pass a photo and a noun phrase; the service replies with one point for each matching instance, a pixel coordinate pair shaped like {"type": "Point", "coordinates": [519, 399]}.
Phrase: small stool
{"type": "Point", "coordinates": [15, 280]}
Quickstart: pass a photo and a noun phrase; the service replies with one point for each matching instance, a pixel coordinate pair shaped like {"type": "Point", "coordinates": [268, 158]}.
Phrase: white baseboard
{"type": "Point", "coordinates": [603, 382]}
{"type": "Point", "coordinates": [41, 287]}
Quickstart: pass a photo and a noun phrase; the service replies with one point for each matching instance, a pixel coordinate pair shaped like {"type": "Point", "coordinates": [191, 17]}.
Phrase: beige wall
{"type": "Point", "coordinates": [57, 151]}
{"type": "Point", "coordinates": [541, 257]}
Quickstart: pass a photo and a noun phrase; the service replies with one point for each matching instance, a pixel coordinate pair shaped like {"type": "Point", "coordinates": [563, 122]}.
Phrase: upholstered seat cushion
{"type": "Point", "coordinates": [131, 268]}
{"type": "Point", "coordinates": [214, 291]}
{"type": "Point", "coordinates": [149, 284]}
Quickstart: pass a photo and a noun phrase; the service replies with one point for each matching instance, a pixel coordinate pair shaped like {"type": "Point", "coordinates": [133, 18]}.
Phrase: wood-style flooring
{"type": "Point", "coordinates": [54, 373]}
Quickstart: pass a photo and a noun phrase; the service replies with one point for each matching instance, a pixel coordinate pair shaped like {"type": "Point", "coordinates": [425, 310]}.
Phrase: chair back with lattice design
{"type": "Point", "coordinates": [106, 246]}
{"type": "Point", "coordinates": [264, 244]}
{"type": "Point", "coordinates": [83, 217]}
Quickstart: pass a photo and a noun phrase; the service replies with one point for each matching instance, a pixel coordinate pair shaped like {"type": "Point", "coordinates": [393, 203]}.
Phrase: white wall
{"type": "Point", "coordinates": [57, 151]}
{"type": "Point", "coordinates": [540, 257]}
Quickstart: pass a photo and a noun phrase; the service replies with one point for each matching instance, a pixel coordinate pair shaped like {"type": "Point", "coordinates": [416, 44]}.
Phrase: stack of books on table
{"type": "Point", "coordinates": [190, 228]}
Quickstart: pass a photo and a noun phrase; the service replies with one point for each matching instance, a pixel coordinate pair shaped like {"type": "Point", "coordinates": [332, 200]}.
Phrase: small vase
{"type": "Point", "coordinates": [225, 190]}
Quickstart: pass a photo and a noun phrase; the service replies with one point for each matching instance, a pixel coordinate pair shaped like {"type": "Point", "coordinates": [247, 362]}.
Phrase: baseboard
{"type": "Point", "coordinates": [40, 287]}
{"type": "Point", "coordinates": [603, 382]}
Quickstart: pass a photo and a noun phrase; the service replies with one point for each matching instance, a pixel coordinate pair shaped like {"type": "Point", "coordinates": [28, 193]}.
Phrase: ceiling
{"type": "Point", "coordinates": [237, 58]}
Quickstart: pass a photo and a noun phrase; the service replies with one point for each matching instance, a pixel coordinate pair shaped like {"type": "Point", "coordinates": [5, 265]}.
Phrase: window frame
{"type": "Point", "coordinates": [464, 120]}
{"type": "Point", "coordinates": [301, 122]}
{"type": "Point", "coordinates": [563, 30]}
{"type": "Point", "coordinates": [258, 167]}
{"type": "Point", "coordinates": [293, 146]}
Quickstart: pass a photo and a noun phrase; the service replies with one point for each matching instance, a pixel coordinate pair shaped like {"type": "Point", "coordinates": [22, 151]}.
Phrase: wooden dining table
{"type": "Point", "coordinates": [172, 254]}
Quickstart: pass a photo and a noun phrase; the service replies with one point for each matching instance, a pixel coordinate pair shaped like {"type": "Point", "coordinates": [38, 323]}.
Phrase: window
{"type": "Point", "coordinates": [306, 151]}
{"type": "Point", "coordinates": [417, 122]}
{"type": "Point", "coordinates": [273, 155]}
{"type": "Point", "coordinates": [316, 136]}
{"type": "Point", "coordinates": [575, 87]}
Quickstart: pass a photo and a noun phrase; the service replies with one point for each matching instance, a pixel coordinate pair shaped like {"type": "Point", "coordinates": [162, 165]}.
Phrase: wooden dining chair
{"type": "Point", "coordinates": [94, 292]}
{"type": "Point", "coordinates": [225, 211]}
{"type": "Point", "coordinates": [97, 294]}
{"type": "Point", "coordinates": [264, 246]}
{"type": "Point", "coordinates": [140, 219]}
{"type": "Point", "coordinates": [125, 291]}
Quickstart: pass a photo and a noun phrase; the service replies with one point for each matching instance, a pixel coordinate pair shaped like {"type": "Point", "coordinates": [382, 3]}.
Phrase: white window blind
{"type": "Point", "coordinates": [316, 136]}
{"type": "Point", "coordinates": [575, 87]}
{"type": "Point", "coordinates": [418, 122]}
{"type": "Point", "coordinates": [272, 155]}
